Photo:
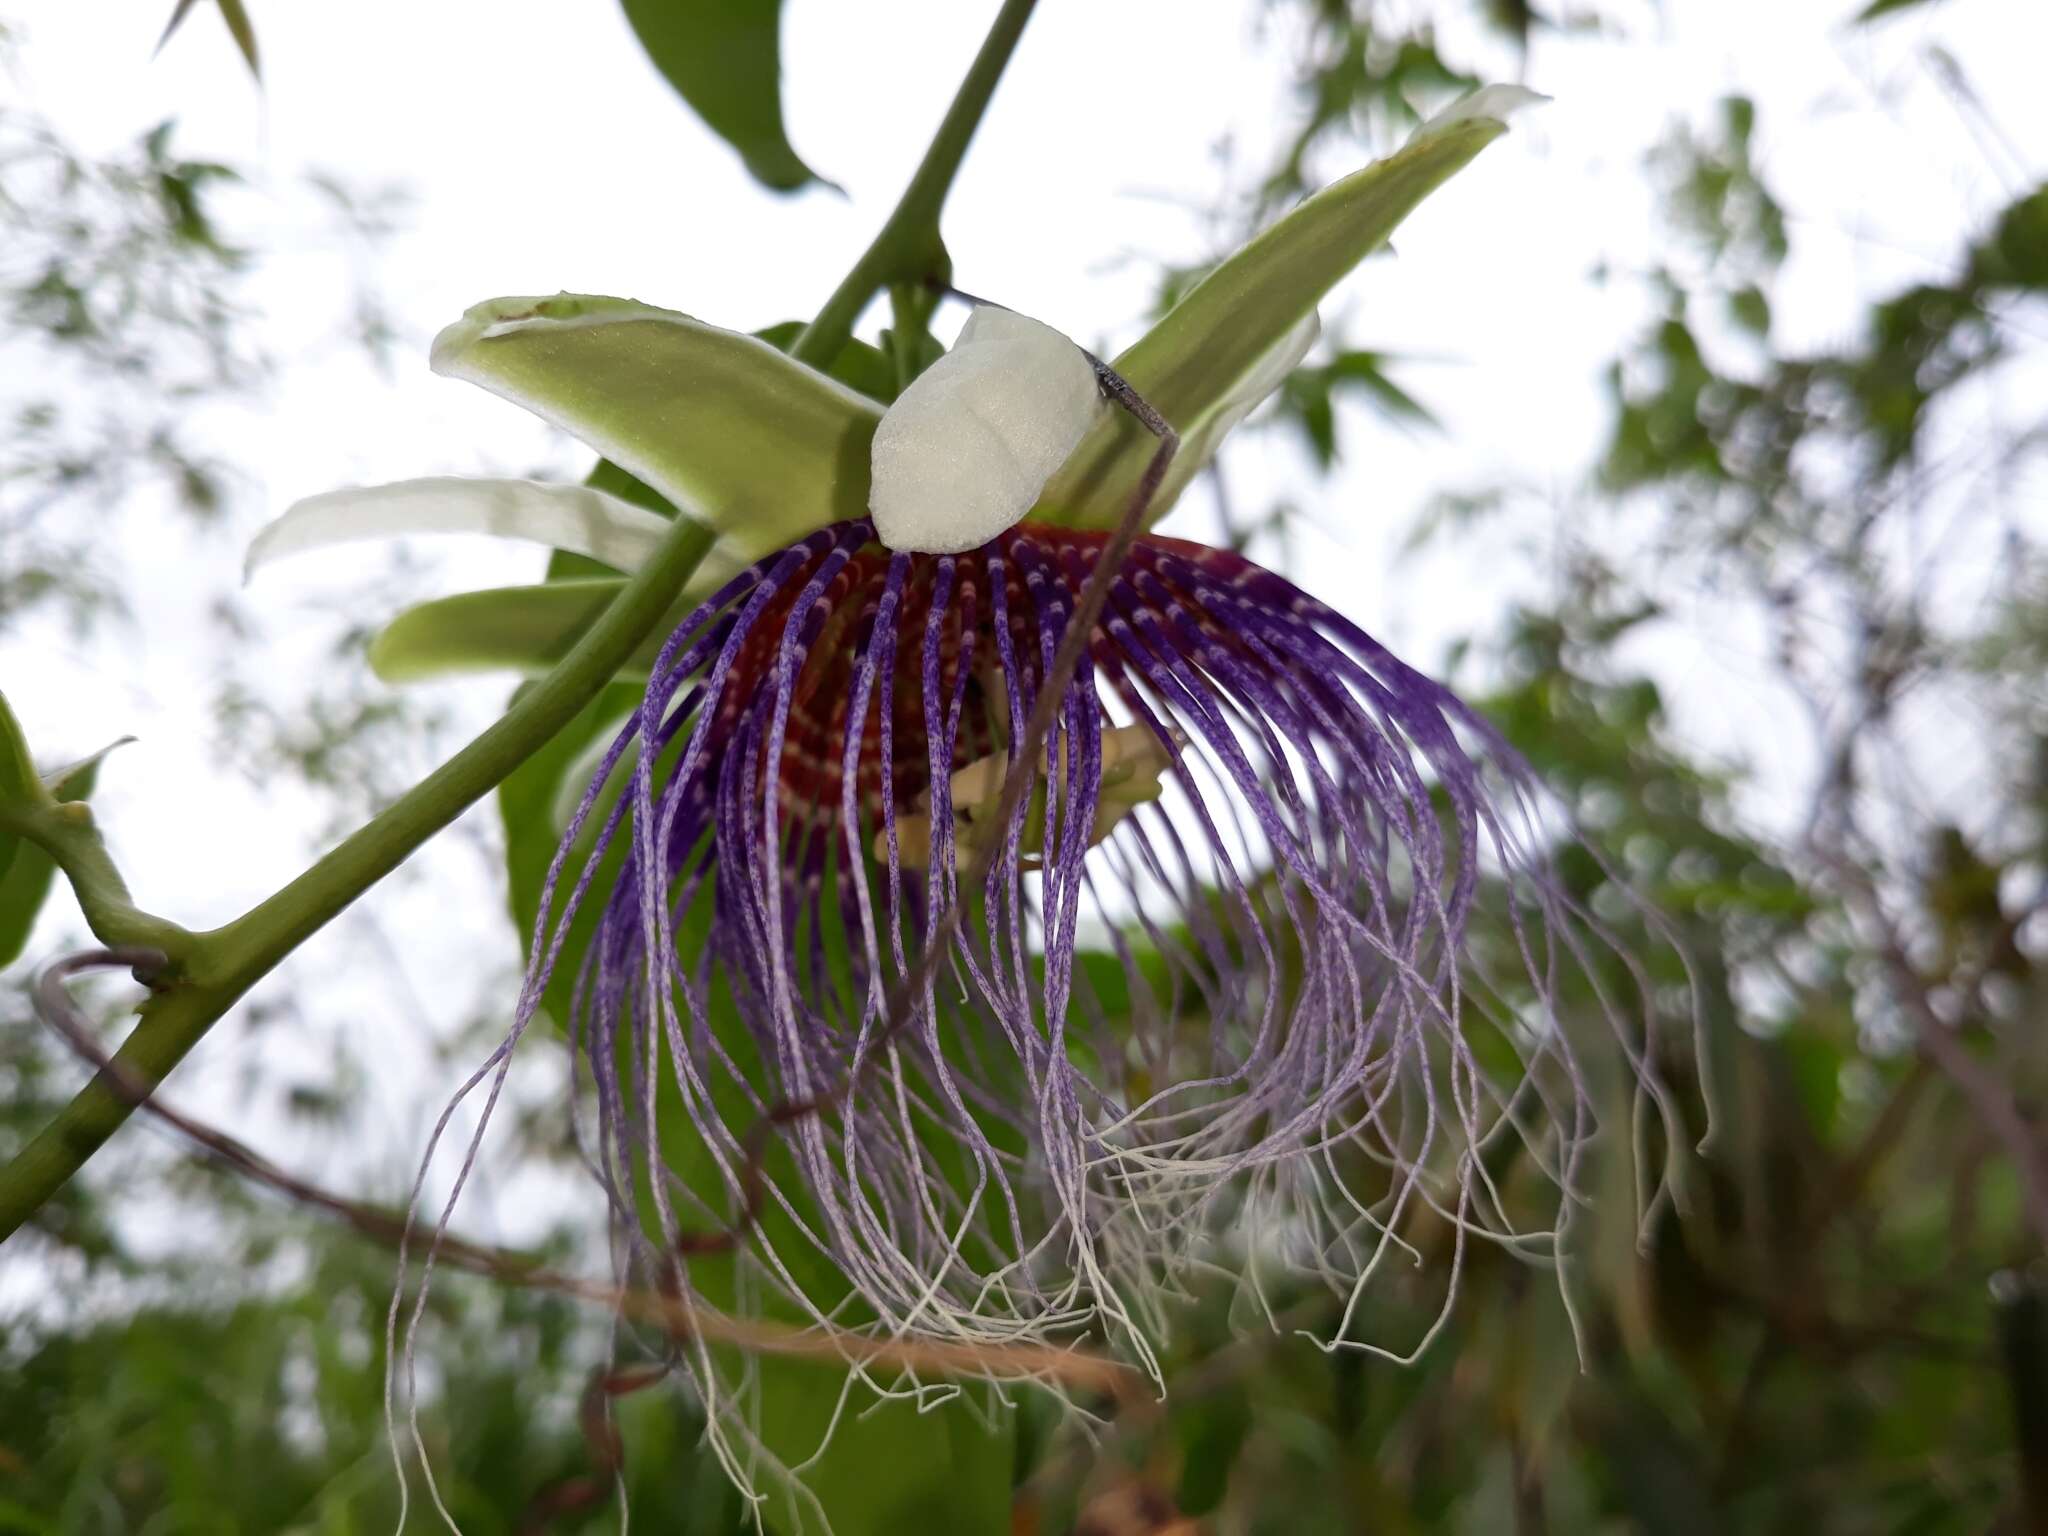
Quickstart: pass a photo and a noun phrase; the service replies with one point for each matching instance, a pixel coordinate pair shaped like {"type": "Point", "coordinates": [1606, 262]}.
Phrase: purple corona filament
{"type": "Point", "coordinates": [1233, 1022]}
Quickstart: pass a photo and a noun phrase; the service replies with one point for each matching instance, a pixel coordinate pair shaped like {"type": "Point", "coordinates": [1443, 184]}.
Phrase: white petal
{"type": "Point", "coordinates": [1496, 102]}
{"type": "Point", "coordinates": [965, 450]}
{"type": "Point", "coordinates": [575, 518]}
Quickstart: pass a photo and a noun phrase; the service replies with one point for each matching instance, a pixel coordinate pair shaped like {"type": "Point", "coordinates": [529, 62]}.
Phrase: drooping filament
{"type": "Point", "coordinates": [1246, 1011]}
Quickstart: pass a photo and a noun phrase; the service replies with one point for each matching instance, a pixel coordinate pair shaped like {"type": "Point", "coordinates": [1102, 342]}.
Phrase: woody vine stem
{"type": "Point", "coordinates": [202, 975]}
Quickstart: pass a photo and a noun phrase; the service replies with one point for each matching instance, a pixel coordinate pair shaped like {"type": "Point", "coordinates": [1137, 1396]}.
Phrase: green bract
{"type": "Point", "coordinates": [723, 425]}
{"type": "Point", "coordinates": [502, 629]}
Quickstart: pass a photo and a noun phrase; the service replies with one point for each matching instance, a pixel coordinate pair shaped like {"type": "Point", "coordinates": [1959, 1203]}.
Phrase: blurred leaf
{"type": "Point", "coordinates": [721, 424]}
{"type": "Point", "coordinates": [237, 18]}
{"type": "Point", "coordinates": [2016, 254]}
{"type": "Point", "coordinates": [724, 57]}
{"type": "Point", "coordinates": [1193, 364]}
{"type": "Point", "coordinates": [235, 14]}
{"type": "Point", "coordinates": [1310, 396]}
{"type": "Point", "coordinates": [1751, 310]}
{"type": "Point", "coordinates": [1877, 10]}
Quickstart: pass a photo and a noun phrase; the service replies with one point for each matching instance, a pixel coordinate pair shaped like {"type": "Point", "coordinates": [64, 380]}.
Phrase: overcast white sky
{"type": "Point", "coordinates": [542, 152]}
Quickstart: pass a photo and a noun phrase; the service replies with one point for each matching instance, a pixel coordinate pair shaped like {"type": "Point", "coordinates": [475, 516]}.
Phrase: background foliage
{"type": "Point", "coordinates": [1844, 1330]}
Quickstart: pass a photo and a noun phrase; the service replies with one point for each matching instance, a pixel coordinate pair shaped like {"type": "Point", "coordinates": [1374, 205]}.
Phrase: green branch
{"type": "Point", "coordinates": [218, 967]}
{"type": "Point", "coordinates": [208, 972]}
{"type": "Point", "coordinates": [64, 830]}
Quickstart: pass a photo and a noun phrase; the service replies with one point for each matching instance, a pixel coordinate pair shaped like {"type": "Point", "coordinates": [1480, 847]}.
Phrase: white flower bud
{"type": "Point", "coordinates": [965, 450]}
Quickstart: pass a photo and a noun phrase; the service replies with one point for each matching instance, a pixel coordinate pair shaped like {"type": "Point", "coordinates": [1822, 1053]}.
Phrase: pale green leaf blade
{"type": "Point", "coordinates": [577, 518]}
{"type": "Point", "coordinates": [724, 57]}
{"type": "Point", "coordinates": [726, 427]}
{"type": "Point", "coordinates": [1234, 331]}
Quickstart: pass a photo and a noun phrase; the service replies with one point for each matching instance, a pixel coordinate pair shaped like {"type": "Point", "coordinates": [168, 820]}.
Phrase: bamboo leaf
{"type": "Point", "coordinates": [235, 14]}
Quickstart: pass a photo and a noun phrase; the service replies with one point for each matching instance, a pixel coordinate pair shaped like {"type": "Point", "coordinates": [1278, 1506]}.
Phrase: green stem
{"type": "Point", "coordinates": [908, 247]}
{"type": "Point", "coordinates": [221, 965]}
{"type": "Point", "coordinates": [64, 830]}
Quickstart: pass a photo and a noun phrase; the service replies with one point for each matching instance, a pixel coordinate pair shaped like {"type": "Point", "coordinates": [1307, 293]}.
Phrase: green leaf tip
{"type": "Point", "coordinates": [724, 58]}
{"type": "Point", "coordinates": [240, 28]}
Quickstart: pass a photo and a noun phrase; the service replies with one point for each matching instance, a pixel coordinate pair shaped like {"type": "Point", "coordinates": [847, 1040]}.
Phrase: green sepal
{"type": "Point", "coordinates": [724, 57]}
{"type": "Point", "coordinates": [505, 629]}
{"type": "Point", "coordinates": [1230, 327]}
{"type": "Point", "coordinates": [719, 423]}
{"type": "Point", "coordinates": [19, 783]}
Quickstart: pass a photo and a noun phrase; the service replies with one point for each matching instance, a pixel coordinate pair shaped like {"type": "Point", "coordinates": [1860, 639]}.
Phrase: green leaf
{"type": "Point", "coordinates": [505, 629]}
{"type": "Point", "coordinates": [26, 873]}
{"type": "Point", "coordinates": [721, 424]}
{"type": "Point", "coordinates": [1246, 314]}
{"type": "Point", "coordinates": [1877, 10]}
{"type": "Point", "coordinates": [244, 32]}
{"type": "Point", "coordinates": [724, 57]}
{"type": "Point", "coordinates": [1750, 308]}
{"type": "Point", "coordinates": [19, 784]}
{"type": "Point", "coordinates": [235, 15]}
